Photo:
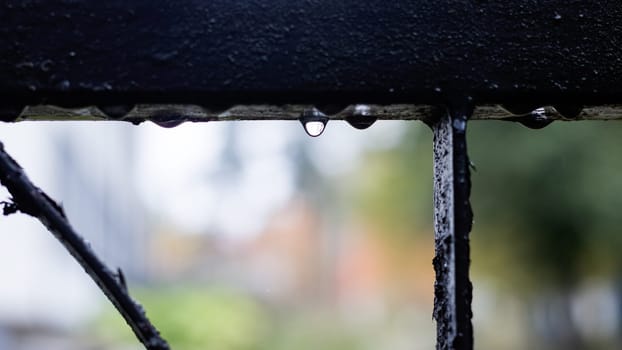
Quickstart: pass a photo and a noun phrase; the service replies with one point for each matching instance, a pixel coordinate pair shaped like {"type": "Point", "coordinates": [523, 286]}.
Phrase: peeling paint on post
{"type": "Point", "coordinates": [452, 223]}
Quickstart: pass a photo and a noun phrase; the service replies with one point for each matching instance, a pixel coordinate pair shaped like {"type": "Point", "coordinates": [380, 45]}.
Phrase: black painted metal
{"type": "Point", "coordinates": [525, 53]}
{"type": "Point", "coordinates": [223, 52]}
{"type": "Point", "coordinates": [452, 224]}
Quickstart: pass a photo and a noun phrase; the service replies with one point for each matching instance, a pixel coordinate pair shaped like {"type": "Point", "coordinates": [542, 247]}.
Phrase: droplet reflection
{"type": "Point", "coordinates": [168, 120]}
{"type": "Point", "coordinates": [314, 122]}
{"type": "Point", "coordinates": [537, 119]}
{"type": "Point", "coordinates": [314, 128]}
{"type": "Point", "coordinates": [361, 118]}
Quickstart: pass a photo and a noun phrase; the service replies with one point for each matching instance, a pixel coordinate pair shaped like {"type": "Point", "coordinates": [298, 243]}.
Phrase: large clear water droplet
{"type": "Point", "coordinates": [314, 122]}
{"type": "Point", "coordinates": [361, 118]}
{"type": "Point", "coordinates": [314, 128]}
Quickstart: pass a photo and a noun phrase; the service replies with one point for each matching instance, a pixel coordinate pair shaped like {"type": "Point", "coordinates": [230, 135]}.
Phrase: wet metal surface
{"type": "Point", "coordinates": [452, 225]}
{"type": "Point", "coordinates": [175, 61]}
{"type": "Point", "coordinates": [318, 52]}
{"type": "Point", "coordinates": [364, 114]}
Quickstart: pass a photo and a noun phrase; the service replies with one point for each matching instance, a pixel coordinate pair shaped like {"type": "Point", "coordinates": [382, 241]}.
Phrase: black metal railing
{"type": "Point", "coordinates": [444, 62]}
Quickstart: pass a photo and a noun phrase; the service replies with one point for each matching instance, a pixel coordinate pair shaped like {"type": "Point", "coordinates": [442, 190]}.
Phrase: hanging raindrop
{"type": "Point", "coordinates": [537, 119]}
{"type": "Point", "coordinates": [531, 117]}
{"type": "Point", "coordinates": [116, 111]}
{"type": "Point", "coordinates": [314, 128]}
{"type": "Point", "coordinates": [313, 121]}
{"type": "Point", "coordinates": [519, 108]}
{"type": "Point", "coordinates": [361, 118]}
{"type": "Point", "coordinates": [167, 120]}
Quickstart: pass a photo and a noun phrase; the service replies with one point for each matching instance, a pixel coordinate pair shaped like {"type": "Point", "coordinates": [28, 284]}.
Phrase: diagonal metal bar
{"type": "Point", "coordinates": [30, 200]}
{"type": "Point", "coordinates": [452, 224]}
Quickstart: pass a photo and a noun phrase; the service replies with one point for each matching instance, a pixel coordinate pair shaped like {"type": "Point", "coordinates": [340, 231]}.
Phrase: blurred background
{"type": "Point", "coordinates": [254, 236]}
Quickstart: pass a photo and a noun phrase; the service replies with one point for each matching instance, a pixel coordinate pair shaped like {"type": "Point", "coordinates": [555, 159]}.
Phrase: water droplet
{"type": "Point", "coordinates": [116, 111]}
{"type": "Point", "coordinates": [537, 119]}
{"type": "Point", "coordinates": [472, 166]}
{"type": "Point", "coordinates": [539, 114]}
{"type": "Point", "coordinates": [46, 65]}
{"type": "Point", "coordinates": [459, 124]}
{"type": "Point", "coordinates": [167, 121]}
{"type": "Point", "coordinates": [314, 122]}
{"type": "Point", "coordinates": [314, 128]}
{"type": "Point", "coordinates": [362, 110]}
{"type": "Point", "coordinates": [361, 118]}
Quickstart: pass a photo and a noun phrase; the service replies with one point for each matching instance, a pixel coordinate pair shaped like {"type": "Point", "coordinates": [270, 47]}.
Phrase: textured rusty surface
{"type": "Point", "coordinates": [452, 225]}
{"type": "Point", "coordinates": [220, 53]}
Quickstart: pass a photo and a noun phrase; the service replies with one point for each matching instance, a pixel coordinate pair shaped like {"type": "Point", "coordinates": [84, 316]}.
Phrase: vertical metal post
{"type": "Point", "coordinates": [452, 223]}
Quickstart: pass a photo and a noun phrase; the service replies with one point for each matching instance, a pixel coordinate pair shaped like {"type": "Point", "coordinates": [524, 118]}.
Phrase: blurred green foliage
{"type": "Point", "coordinates": [548, 200]}
{"type": "Point", "coordinates": [394, 187]}
{"type": "Point", "coordinates": [197, 318]}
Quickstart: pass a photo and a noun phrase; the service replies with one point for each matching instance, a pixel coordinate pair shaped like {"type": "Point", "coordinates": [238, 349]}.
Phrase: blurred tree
{"type": "Point", "coordinates": [545, 201]}
{"type": "Point", "coordinates": [546, 206]}
{"type": "Point", "coordinates": [545, 198]}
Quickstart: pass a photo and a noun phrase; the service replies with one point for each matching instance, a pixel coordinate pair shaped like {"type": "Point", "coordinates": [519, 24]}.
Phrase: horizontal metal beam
{"type": "Point", "coordinates": [222, 53]}
{"type": "Point", "coordinates": [169, 115]}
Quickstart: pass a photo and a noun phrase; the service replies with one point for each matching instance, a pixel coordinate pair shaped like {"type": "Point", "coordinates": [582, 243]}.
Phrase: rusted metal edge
{"type": "Point", "coordinates": [175, 114]}
{"type": "Point", "coordinates": [452, 224]}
